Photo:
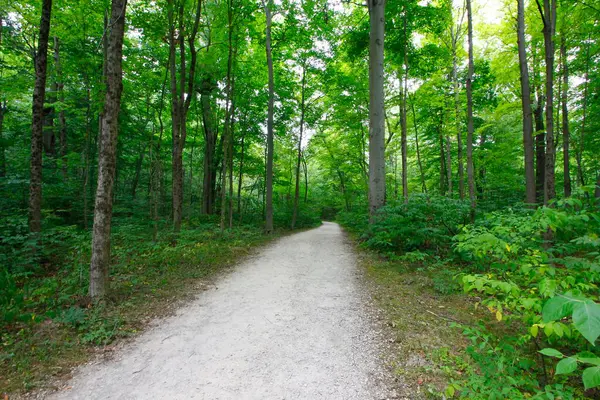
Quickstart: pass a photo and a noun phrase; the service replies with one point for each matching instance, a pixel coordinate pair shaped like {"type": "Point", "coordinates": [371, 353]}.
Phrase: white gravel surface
{"type": "Point", "coordinates": [291, 322]}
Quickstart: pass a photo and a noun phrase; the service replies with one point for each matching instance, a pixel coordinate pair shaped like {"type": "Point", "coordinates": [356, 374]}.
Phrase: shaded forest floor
{"type": "Point", "coordinates": [57, 329]}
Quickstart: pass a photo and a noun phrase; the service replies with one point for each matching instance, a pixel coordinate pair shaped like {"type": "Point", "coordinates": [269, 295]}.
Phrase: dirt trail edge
{"type": "Point", "coordinates": [289, 323]}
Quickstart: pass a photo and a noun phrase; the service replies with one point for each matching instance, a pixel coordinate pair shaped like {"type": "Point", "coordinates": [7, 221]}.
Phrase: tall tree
{"type": "Point", "coordinates": [526, 106]}
{"type": "Point", "coordinates": [182, 93]}
{"type": "Point", "coordinates": [109, 124]}
{"type": "Point", "coordinates": [268, 5]}
{"type": "Point", "coordinates": [470, 128]}
{"type": "Point", "coordinates": [548, 14]}
{"type": "Point", "coordinates": [37, 125]}
{"type": "Point", "coordinates": [376, 107]}
{"type": "Point", "coordinates": [566, 133]}
{"type": "Point", "coordinates": [299, 157]}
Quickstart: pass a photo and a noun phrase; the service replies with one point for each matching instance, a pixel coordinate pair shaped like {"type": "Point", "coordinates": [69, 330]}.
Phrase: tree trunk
{"type": "Point", "coordinates": [209, 147]}
{"type": "Point", "coordinates": [3, 109]}
{"type": "Point", "coordinates": [443, 175]}
{"type": "Point", "coordinates": [549, 19]}
{"type": "Point", "coordinates": [448, 165]}
{"type": "Point", "coordinates": [269, 166]}
{"type": "Point", "coordinates": [305, 167]}
{"type": "Point", "coordinates": [423, 185]}
{"type": "Point", "coordinates": [241, 175]}
{"type": "Point", "coordinates": [403, 137]}
{"type": "Point", "coordinates": [181, 98]}
{"type": "Point", "coordinates": [565, 119]}
{"type": "Point", "coordinates": [526, 107]}
{"type": "Point", "coordinates": [39, 94]}
{"type": "Point", "coordinates": [470, 172]}
{"type": "Point", "coordinates": [62, 124]}
{"type": "Point", "coordinates": [227, 139]}
{"type": "Point", "coordinates": [579, 157]}
{"type": "Point", "coordinates": [461, 172]}
{"type": "Point", "coordinates": [376, 108]}
{"type": "Point", "coordinates": [107, 154]}
{"type": "Point", "coordinates": [299, 158]}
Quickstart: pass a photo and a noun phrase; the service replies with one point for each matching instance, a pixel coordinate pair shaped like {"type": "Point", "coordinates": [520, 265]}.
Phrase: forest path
{"type": "Point", "coordinates": [291, 322]}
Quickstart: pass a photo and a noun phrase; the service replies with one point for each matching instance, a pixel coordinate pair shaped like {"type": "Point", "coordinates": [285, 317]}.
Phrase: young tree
{"type": "Point", "coordinates": [37, 125]}
{"type": "Point", "coordinates": [107, 153]}
{"type": "Point", "coordinates": [376, 107]}
{"type": "Point", "coordinates": [566, 134]}
{"type": "Point", "coordinates": [526, 106]}
{"type": "Point", "coordinates": [470, 171]}
{"type": "Point", "coordinates": [268, 5]}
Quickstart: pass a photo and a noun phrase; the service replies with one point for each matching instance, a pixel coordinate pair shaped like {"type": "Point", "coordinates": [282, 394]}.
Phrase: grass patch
{"type": "Point", "coordinates": [50, 326]}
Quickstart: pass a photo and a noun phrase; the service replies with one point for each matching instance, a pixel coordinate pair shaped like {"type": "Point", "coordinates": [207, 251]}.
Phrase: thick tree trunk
{"type": "Point", "coordinates": [526, 107]}
{"type": "Point", "coordinates": [470, 171]}
{"type": "Point", "coordinates": [549, 19]}
{"type": "Point", "coordinates": [299, 156]}
{"type": "Point", "coordinates": [565, 119]}
{"type": "Point", "coordinates": [107, 154]}
{"type": "Point", "coordinates": [269, 166]}
{"type": "Point", "coordinates": [39, 94]}
{"type": "Point", "coordinates": [376, 107]}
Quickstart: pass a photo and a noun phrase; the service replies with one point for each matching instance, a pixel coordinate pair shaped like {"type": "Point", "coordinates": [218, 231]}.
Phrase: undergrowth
{"type": "Point", "coordinates": [533, 279]}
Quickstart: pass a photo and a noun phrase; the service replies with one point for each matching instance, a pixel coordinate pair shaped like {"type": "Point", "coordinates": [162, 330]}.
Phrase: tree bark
{"type": "Point", "coordinates": [549, 19]}
{"type": "Point", "coordinates": [579, 155]}
{"type": "Point", "coordinates": [269, 167]}
{"type": "Point", "coordinates": [39, 94]}
{"type": "Point", "coordinates": [526, 106]}
{"type": "Point", "coordinates": [565, 119]}
{"type": "Point", "coordinates": [461, 172]}
{"type": "Point", "coordinates": [182, 92]}
{"type": "Point", "coordinates": [299, 157]}
{"type": "Point", "coordinates": [227, 127]}
{"type": "Point", "coordinates": [210, 139]}
{"type": "Point", "coordinates": [470, 172]}
{"type": "Point", "coordinates": [423, 185]}
{"type": "Point", "coordinates": [376, 107]}
{"type": "Point", "coordinates": [62, 124]}
{"type": "Point", "coordinates": [100, 261]}
{"type": "Point", "coordinates": [241, 174]}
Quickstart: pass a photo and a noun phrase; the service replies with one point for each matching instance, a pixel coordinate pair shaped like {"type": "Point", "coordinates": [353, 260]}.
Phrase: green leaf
{"type": "Point", "coordinates": [557, 308]}
{"type": "Point", "coordinates": [551, 353]}
{"type": "Point", "coordinates": [591, 377]}
{"type": "Point", "coordinates": [566, 366]}
{"type": "Point", "coordinates": [586, 319]}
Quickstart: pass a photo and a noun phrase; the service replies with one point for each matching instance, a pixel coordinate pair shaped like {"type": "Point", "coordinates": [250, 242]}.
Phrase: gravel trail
{"type": "Point", "coordinates": [289, 323]}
